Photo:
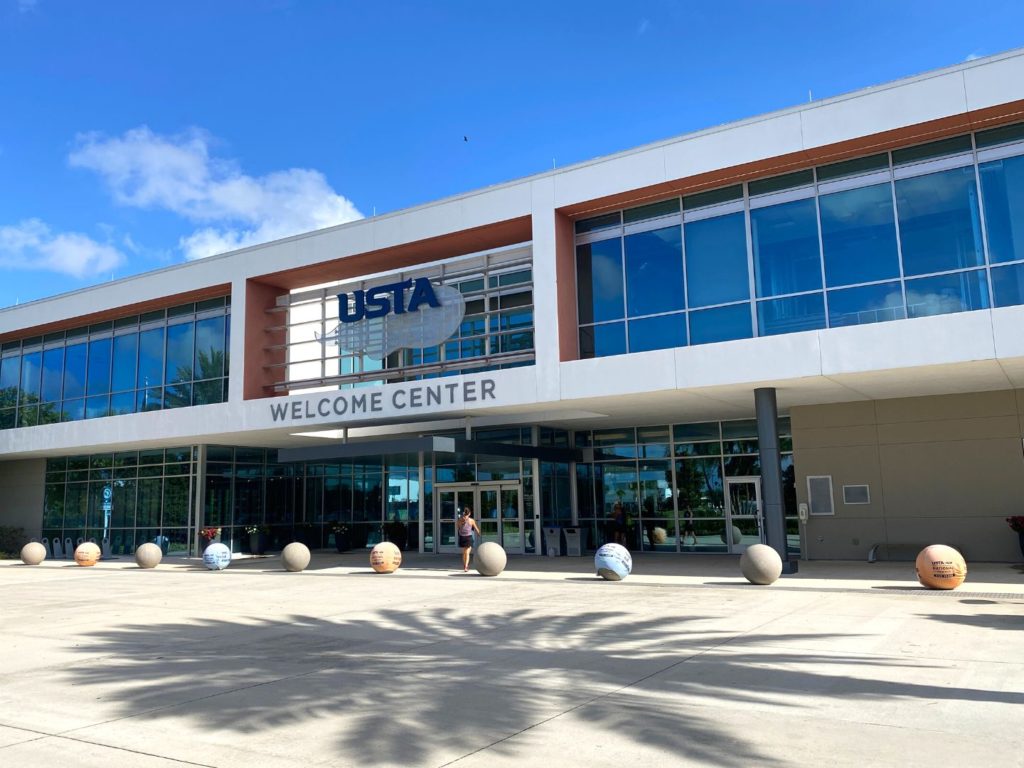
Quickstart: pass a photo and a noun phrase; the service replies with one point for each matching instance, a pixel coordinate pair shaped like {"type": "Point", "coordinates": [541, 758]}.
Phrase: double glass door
{"type": "Point", "coordinates": [742, 513]}
{"type": "Point", "coordinates": [497, 509]}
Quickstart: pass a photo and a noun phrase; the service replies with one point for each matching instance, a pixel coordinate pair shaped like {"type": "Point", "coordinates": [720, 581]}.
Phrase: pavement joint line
{"type": "Point", "coordinates": [620, 689]}
{"type": "Point", "coordinates": [43, 735]}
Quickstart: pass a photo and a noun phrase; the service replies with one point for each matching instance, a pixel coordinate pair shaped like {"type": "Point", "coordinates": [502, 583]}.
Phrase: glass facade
{"type": "Point", "coordinates": [671, 481]}
{"type": "Point", "coordinates": [927, 230]}
{"type": "Point", "coordinates": [163, 359]}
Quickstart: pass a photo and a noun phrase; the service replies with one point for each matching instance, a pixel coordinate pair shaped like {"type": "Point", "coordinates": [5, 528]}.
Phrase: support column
{"type": "Point", "coordinates": [774, 513]}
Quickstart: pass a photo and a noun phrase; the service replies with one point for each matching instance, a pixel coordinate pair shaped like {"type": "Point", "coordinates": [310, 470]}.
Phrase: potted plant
{"type": "Point", "coordinates": [209, 535]}
{"type": "Point", "coordinates": [1017, 524]}
{"type": "Point", "coordinates": [342, 537]}
{"type": "Point", "coordinates": [257, 538]}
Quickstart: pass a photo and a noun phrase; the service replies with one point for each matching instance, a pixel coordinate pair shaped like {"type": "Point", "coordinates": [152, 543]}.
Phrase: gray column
{"type": "Point", "coordinates": [774, 513]}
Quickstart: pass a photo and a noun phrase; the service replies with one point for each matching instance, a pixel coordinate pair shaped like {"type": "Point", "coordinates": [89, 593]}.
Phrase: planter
{"type": "Point", "coordinates": [342, 542]}
{"type": "Point", "coordinates": [257, 543]}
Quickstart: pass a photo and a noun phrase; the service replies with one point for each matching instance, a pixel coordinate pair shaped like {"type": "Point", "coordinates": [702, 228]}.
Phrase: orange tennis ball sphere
{"type": "Point", "coordinates": [87, 553]}
{"type": "Point", "coordinates": [385, 557]}
{"type": "Point", "coordinates": [941, 567]}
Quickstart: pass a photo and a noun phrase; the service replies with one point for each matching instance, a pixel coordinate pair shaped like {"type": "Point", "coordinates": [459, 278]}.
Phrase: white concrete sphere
{"type": "Point", "coordinates": [940, 567]}
{"type": "Point", "coordinates": [295, 557]}
{"type": "Point", "coordinates": [760, 564]}
{"type": "Point", "coordinates": [87, 553]}
{"type": "Point", "coordinates": [737, 535]}
{"type": "Point", "coordinates": [613, 562]}
{"type": "Point", "coordinates": [490, 558]}
{"type": "Point", "coordinates": [148, 555]}
{"type": "Point", "coordinates": [217, 556]}
{"type": "Point", "coordinates": [33, 553]}
{"type": "Point", "coordinates": [385, 557]}
{"type": "Point", "coordinates": [659, 535]}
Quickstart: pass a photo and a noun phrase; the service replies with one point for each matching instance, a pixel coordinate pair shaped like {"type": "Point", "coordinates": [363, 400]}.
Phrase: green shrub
{"type": "Point", "coordinates": [11, 541]}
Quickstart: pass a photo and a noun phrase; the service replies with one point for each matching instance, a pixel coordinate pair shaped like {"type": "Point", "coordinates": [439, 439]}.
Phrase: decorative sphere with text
{"type": "Point", "coordinates": [940, 567]}
{"type": "Point", "coordinates": [613, 562]}
{"type": "Point", "coordinates": [385, 557]}
{"type": "Point", "coordinates": [87, 553]}
{"type": "Point", "coordinates": [217, 556]}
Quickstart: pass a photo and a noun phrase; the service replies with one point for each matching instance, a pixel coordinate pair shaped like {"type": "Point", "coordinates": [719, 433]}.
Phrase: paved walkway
{"type": "Point", "coordinates": [844, 664]}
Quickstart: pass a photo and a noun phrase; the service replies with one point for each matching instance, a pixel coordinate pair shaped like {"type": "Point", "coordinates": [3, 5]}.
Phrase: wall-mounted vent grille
{"type": "Point", "coordinates": [819, 494]}
{"type": "Point", "coordinates": [856, 494]}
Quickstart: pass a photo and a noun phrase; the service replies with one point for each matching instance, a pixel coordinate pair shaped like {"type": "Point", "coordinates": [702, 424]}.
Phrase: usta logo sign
{"type": "Point", "coordinates": [384, 299]}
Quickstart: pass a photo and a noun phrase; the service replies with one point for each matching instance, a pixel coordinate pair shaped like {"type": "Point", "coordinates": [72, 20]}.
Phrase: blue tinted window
{"type": "Point", "coordinates": [603, 340]}
{"type": "Point", "coordinates": [720, 324]}
{"type": "Point", "coordinates": [663, 332]}
{"type": "Point", "coordinates": [30, 369]}
{"type": "Point", "coordinates": [10, 379]}
{"type": "Point", "coordinates": [121, 403]}
{"type": "Point", "coordinates": [858, 235]}
{"type": "Point", "coordinates": [53, 374]}
{"type": "Point", "coordinates": [97, 407]}
{"type": "Point", "coordinates": [99, 368]}
{"type": "Point", "coordinates": [1008, 285]}
{"type": "Point", "coordinates": [796, 313]}
{"type": "Point", "coordinates": [939, 226]}
{"type": "Point", "coordinates": [74, 371]}
{"type": "Point", "coordinates": [210, 344]}
{"type": "Point", "coordinates": [944, 294]}
{"type": "Point", "coordinates": [654, 271]}
{"type": "Point", "coordinates": [73, 410]}
{"type": "Point", "coordinates": [599, 281]}
{"type": "Point", "coordinates": [785, 240]}
{"type": "Point", "coordinates": [181, 351]}
{"type": "Point", "coordinates": [716, 260]}
{"type": "Point", "coordinates": [867, 304]}
{"type": "Point", "coordinates": [151, 358]}
{"type": "Point", "coordinates": [1002, 183]}
{"type": "Point", "coordinates": [126, 350]}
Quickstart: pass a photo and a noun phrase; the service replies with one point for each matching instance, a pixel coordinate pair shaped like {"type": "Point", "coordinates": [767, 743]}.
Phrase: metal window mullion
{"type": "Point", "coordinates": [821, 246]}
{"type": "Point", "coordinates": [986, 252]}
{"type": "Point", "coordinates": [751, 282]}
{"type": "Point", "coordinates": [625, 292]}
{"type": "Point", "coordinates": [899, 241]}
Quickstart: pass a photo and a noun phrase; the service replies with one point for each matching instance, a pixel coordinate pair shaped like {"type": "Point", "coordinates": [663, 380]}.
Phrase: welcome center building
{"type": "Point", "coordinates": [804, 327]}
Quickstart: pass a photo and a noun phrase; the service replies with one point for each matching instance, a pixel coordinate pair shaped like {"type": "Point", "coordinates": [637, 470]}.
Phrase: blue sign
{"type": "Point", "coordinates": [384, 299]}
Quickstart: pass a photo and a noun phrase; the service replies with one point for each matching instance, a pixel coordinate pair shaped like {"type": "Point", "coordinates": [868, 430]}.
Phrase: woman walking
{"type": "Point", "coordinates": [465, 527]}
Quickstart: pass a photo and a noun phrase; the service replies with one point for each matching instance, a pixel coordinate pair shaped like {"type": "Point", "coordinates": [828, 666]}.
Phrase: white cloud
{"type": "Point", "coordinates": [24, 6]}
{"type": "Point", "coordinates": [31, 244]}
{"type": "Point", "coordinates": [643, 26]}
{"type": "Point", "coordinates": [178, 173]}
{"type": "Point", "coordinates": [973, 56]}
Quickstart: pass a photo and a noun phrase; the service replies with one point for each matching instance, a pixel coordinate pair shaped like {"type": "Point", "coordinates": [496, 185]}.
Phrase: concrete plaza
{"type": "Point", "coordinates": [843, 664]}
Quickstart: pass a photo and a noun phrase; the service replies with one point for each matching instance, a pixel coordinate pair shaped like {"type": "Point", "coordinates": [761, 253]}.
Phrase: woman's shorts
{"type": "Point", "coordinates": [465, 541]}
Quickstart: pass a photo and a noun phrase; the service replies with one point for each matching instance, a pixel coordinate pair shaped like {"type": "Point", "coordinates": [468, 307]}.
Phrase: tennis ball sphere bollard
{"type": "Point", "coordinates": [148, 555]}
{"type": "Point", "coordinates": [33, 553]}
{"type": "Point", "coordinates": [737, 535]}
{"type": "Point", "coordinates": [760, 564]}
{"type": "Point", "coordinates": [940, 567]}
{"type": "Point", "coordinates": [217, 556]}
{"type": "Point", "coordinates": [490, 558]}
{"type": "Point", "coordinates": [87, 554]}
{"type": "Point", "coordinates": [295, 557]}
{"type": "Point", "coordinates": [385, 557]}
{"type": "Point", "coordinates": [613, 562]}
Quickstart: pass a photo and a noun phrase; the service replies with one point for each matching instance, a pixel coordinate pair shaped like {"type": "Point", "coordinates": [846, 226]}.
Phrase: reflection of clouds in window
{"type": "Point", "coordinates": [922, 303]}
{"type": "Point", "coordinates": [607, 278]}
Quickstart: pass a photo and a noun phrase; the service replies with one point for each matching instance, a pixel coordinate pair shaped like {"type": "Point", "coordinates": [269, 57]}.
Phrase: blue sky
{"type": "Point", "coordinates": [136, 135]}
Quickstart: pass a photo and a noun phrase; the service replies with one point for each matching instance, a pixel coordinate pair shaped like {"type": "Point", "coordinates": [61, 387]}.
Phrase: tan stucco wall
{"type": "Point", "coordinates": [21, 495]}
{"type": "Point", "coordinates": [945, 469]}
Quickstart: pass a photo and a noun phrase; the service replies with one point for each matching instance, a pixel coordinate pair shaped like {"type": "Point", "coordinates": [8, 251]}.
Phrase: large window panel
{"type": "Point", "coordinates": [10, 380]}
{"type": "Point", "coordinates": [662, 332]}
{"type": "Point", "coordinates": [151, 358]}
{"type": "Point", "coordinates": [699, 487]}
{"type": "Point", "coordinates": [720, 324]}
{"type": "Point", "coordinates": [654, 271]}
{"type": "Point", "coordinates": [98, 381]}
{"type": "Point", "coordinates": [126, 351]}
{"type": "Point", "coordinates": [1002, 184]}
{"type": "Point", "coordinates": [31, 367]}
{"type": "Point", "coordinates": [858, 234]}
{"type": "Point", "coordinates": [1008, 285]}
{"type": "Point", "coordinates": [866, 304]}
{"type": "Point", "coordinates": [945, 294]}
{"type": "Point", "coordinates": [53, 375]}
{"type": "Point", "coordinates": [939, 225]}
{"type": "Point", "coordinates": [786, 253]}
{"type": "Point", "coordinates": [790, 315]}
{"type": "Point", "coordinates": [209, 362]}
{"type": "Point", "coordinates": [180, 353]}
{"type": "Point", "coordinates": [74, 370]}
{"type": "Point", "coordinates": [603, 340]}
{"type": "Point", "coordinates": [716, 260]}
{"type": "Point", "coordinates": [599, 281]}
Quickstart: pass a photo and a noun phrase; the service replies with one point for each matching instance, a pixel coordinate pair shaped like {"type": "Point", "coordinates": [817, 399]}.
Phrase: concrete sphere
{"type": "Point", "coordinates": [760, 564]}
{"type": "Point", "coordinates": [148, 555]}
{"type": "Point", "coordinates": [295, 557]}
{"type": "Point", "coordinates": [490, 559]}
{"type": "Point", "coordinates": [385, 557]}
{"type": "Point", "coordinates": [87, 553]}
{"type": "Point", "coordinates": [940, 567]}
{"type": "Point", "coordinates": [33, 553]}
{"type": "Point", "coordinates": [737, 535]}
{"type": "Point", "coordinates": [613, 562]}
{"type": "Point", "coordinates": [658, 535]}
{"type": "Point", "coordinates": [217, 556]}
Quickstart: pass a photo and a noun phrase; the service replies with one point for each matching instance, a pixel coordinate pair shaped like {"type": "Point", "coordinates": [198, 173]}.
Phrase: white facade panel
{"type": "Point", "coordinates": [995, 82]}
{"type": "Point", "coordinates": [619, 375]}
{"type": "Point", "coordinates": [607, 177]}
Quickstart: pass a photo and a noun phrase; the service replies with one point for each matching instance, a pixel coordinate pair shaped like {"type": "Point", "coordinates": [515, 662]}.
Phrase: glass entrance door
{"type": "Point", "coordinates": [742, 513]}
{"type": "Point", "coordinates": [497, 509]}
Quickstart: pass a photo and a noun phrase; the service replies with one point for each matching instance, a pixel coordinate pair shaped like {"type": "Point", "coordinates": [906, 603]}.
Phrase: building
{"type": "Point", "coordinates": [547, 348]}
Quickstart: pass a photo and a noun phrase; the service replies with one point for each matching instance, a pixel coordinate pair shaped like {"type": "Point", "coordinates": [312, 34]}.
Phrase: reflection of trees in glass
{"type": "Point", "coordinates": [699, 486]}
{"type": "Point", "coordinates": [47, 413]}
{"type": "Point", "coordinates": [211, 366]}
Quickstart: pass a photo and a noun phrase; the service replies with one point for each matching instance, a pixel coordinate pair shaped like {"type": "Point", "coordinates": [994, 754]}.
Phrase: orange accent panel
{"type": "Point", "coordinates": [163, 302]}
{"type": "Point", "coordinates": [565, 276]}
{"type": "Point", "coordinates": [406, 255]}
{"type": "Point", "coordinates": [795, 161]}
{"type": "Point", "coordinates": [257, 379]}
